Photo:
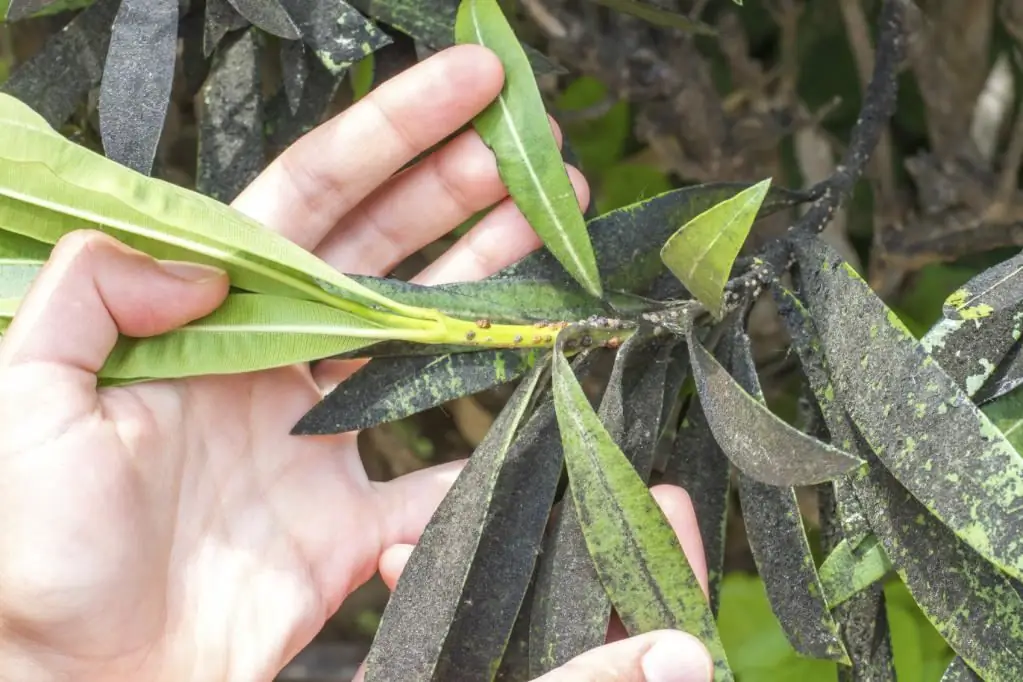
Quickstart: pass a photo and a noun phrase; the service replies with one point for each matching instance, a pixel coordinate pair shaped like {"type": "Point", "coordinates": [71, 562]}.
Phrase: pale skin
{"type": "Point", "coordinates": [174, 530]}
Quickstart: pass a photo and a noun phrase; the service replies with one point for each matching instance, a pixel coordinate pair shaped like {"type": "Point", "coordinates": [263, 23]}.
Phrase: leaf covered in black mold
{"type": "Point", "coordinates": [268, 15]}
{"type": "Point", "coordinates": [919, 435]}
{"type": "Point", "coordinates": [849, 570]}
{"type": "Point", "coordinates": [778, 541]}
{"type": "Point", "coordinates": [57, 78]}
{"type": "Point", "coordinates": [959, 671]}
{"type": "Point", "coordinates": [220, 19]}
{"type": "Point", "coordinates": [755, 440]}
{"type": "Point", "coordinates": [1007, 377]}
{"type": "Point", "coordinates": [432, 22]}
{"type": "Point", "coordinates": [388, 389]}
{"type": "Point", "coordinates": [294, 71]}
{"type": "Point", "coordinates": [230, 116]}
{"type": "Point", "coordinates": [571, 609]}
{"type": "Point", "coordinates": [21, 9]}
{"type": "Point", "coordinates": [967, 599]}
{"type": "Point", "coordinates": [458, 597]}
{"type": "Point", "coordinates": [284, 126]}
{"type": "Point", "coordinates": [336, 32]}
{"type": "Point", "coordinates": [137, 80]}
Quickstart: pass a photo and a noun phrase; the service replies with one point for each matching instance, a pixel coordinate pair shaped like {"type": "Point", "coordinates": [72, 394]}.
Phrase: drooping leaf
{"type": "Point", "coordinates": [921, 435]}
{"type": "Point", "coordinates": [336, 33]}
{"type": "Point", "coordinates": [778, 541]}
{"type": "Point", "coordinates": [230, 120]}
{"type": "Point", "coordinates": [433, 24]}
{"type": "Point", "coordinates": [56, 79]}
{"type": "Point", "coordinates": [284, 126]}
{"type": "Point", "coordinates": [248, 332]}
{"type": "Point", "coordinates": [294, 73]}
{"type": "Point", "coordinates": [635, 551]}
{"type": "Point", "coordinates": [137, 80]}
{"type": "Point", "coordinates": [965, 597]}
{"type": "Point", "coordinates": [848, 571]}
{"type": "Point", "coordinates": [268, 15]}
{"type": "Point", "coordinates": [657, 16]}
{"type": "Point", "coordinates": [50, 186]}
{"type": "Point", "coordinates": [697, 465]}
{"type": "Point", "coordinates": [571, 609]}
{"type": "Point", "coordinates": [515, 127]}
{"type": "Point", "coordinates": [458, 596]}
{"type": "Point", "coordinates": [756, 440]}
{"type": "Point", "coordinates": [221, 19]}
{"type": "Point", "coordinates": [703, 250]}
{"type": "Point", "coordinates": [389, 389]}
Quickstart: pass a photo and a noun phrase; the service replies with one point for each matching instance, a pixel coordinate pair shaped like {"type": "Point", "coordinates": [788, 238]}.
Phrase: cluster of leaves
{"type": "Point", "coordinates": [911, 443]}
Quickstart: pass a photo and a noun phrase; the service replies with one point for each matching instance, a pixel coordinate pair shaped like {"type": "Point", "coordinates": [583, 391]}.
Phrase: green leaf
{"type": "Point", "coordinates": [50, 187]}
{"type": "Point", "coordinates": [571, 608]}
{"type": "Point", "coordinates": [335, 31]}
{"type": "Point", "coordinates": [959, 671]}
{"type": "Point", "coordinates": [137, 80]}
{"type": "Point", "coordinates": [756, 440]}
{"type": "Point", "coordinates": [920, 436]}
{"type": "Point", "coordinates": [636, 553]}
{"type": "Point", "coordinates": [17, 247]}
{"type": "Point", "coordinates": [57, 78]}
{"type": "Point", "coordinates": [1006, 414]}
{"type": "Point", "coordinates": [248, 332]}
{"type": "Point", "coordinates": [268, 15]}
{"type": "Point", "coordinates": [701, 253]}
{"type": "Point", "coordinates": [17, 275]}
{"type": "Point", "coordinates": [848, 571]}
{"type": "Point", "coordinates": [229, 109]}
{"type": "Point", "coordinates": [515, 127]}
{"type": "Point", "coordinates": [657, 16]}
{"type": "Point", "coordinates": [459, 594]}
{"type": "Point", "coordinates": [388, 389]}
{"type": "Point", "coordinates": [777, 539]}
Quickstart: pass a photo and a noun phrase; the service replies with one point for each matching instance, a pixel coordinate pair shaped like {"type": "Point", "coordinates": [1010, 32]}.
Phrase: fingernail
{"type": "Point", "coordinates": [677, 657]}
{"type": "Point", "coordinates": [190, 272]}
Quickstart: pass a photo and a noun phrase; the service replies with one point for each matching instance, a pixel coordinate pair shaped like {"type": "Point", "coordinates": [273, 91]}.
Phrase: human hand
{"type": "Point", "coordinates": [174, 530]}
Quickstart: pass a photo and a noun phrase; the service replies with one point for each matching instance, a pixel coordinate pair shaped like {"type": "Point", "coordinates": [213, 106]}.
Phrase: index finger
{"type": "Point", "coordinates": [317, 180]}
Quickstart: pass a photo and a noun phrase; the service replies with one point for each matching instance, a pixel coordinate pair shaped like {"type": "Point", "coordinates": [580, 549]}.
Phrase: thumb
{"type": "Point", "coordinates": [94, 287]}
{"type": "Point", "coordinates": [659, 656]}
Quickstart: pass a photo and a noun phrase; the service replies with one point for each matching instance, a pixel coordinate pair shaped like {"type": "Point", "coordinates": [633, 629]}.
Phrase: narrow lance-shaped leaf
{"type": "Point", "coordinates": [389, 389]}
{"type": "Point", "coordinates": [294, 73]}
{"type": "Point", "coordinates": [920, 436]}
{"type": "Point", "coordinates": [458, 596]}
{"type": "Point", "coordinates": [248, 332]}
{"type": "Point", "coordinates": [268, 15]}
{"type": "Point", "coordinates": [57, 77]}
{"type": "Point", "coordinates": [220, 19]}
{"type": "Point", "coordinates": [515, 127]}
{"type": "Point", "coordinates": [777, 538]}
{"type": "Point", "coordinates": [1007, 377]}
{"type": "Point", "coordinates": [137, 80]}
{"type": "Point", "coordinates": [846, 572]}
{"type": "Point", "coordinates": [959, 671]}
{"type": "Point", "coordinates": [50, 186]}
{"type": "Point", "coordinates": [636, 553]}
{"type": "Point", "coordinates": [230, 116]}
{"type": "Point", "coordinates": [285, 126]}
{"type": "Point", "coordinates": [968, 600]}
{"type": "Point", "coordinates": [571, 608]}
{"type": "Point", "coordinates": [335, 31]}
{"type": "Point", "coordinates": [756, 440]}
{"type": "Point", "coordinates": [20, 9]}
{"type": "Point", "coordinates": [703, 250]}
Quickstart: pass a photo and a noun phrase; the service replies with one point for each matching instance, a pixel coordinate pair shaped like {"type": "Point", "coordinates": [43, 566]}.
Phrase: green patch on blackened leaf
{"type": "Point", "coordinates": [919, 447]}
{"type": "Point", "coordinates": [571, 608]}
{"type": "Point", "coordinates": [636, 553]}
{"type": "Point", "coordinates": [388, 389]}
{"type": "Point", "coordinates": [848, 571]}
{"type": "Point", "coordinates": [336, 32]}
{"type": "Point", "coordinates": [459, 595]}
{"type": "Point", "coordinates": [758, 442]}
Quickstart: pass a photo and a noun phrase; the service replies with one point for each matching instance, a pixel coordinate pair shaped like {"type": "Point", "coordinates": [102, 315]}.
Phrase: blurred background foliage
{"type": "Point", "coordinates": [795, 65]}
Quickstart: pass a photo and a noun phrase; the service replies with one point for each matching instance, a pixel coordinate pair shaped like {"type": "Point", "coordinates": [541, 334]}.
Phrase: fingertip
{"type": "Point", "coordinates": [580, 184]}
{"type": "Point", "coordinates": [392, 563]}
{"type": "Point", "coordinates": [478, 63]}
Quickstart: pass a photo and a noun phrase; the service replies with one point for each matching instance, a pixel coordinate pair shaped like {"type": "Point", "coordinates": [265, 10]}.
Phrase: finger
{"type": "Point", "coordinates": [92, 288]}
{"type": "Point", "coordinates": [392, 563]}
{"type": "Point", "coordinates": [660, 656]}
{"type": "Point", "coordinates": [678, 508]}
{"type": "Point", "coordinates": [389, 225]}
{"type": "Point", "coordinates": [498, 240]}
{"type": "Point", "coordinates": [405, 504]}
{"type": "Point", "coordinates": [316, 181]}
